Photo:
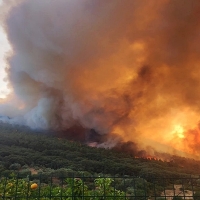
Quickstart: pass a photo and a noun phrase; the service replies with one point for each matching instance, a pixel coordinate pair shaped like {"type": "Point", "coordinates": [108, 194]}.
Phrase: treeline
{"type": "Point", "coordinates": [21, 147]}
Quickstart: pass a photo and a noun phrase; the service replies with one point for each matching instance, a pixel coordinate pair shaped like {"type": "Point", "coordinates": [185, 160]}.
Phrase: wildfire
{"type": "Point", "coordinates": [179, 131]}
{"type": "Point", "coordinates": [128, 69]}
{"type": "Point", "coordinates": [149, 157]}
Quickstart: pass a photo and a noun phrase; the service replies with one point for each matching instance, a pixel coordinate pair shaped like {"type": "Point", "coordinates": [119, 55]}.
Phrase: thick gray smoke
{"type": "Point", "coordinates": [126, 67]}
{"type": "Point", "coordinates": [57, 44]}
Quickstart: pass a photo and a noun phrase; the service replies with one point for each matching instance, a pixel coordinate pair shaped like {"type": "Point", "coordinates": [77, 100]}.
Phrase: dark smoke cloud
{"type": "Point", "coordinates": [124, 67]}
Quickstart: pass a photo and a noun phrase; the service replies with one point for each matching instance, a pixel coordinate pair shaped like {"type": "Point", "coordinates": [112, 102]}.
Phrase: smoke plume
{"type": "Point", "coordinates": [128, 68]}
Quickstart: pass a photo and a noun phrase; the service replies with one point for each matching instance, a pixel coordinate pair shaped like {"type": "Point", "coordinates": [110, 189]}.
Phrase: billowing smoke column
{"type": "Point", "coordinates": [129, 68]}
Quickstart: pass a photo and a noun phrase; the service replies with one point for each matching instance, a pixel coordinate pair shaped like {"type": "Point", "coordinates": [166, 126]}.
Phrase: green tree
{"type": "Point", "coordinates": [15, 166]}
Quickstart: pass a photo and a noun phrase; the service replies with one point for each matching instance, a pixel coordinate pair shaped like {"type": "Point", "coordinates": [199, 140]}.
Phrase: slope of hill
{"type": "Point", "coordinates": [21, 147]}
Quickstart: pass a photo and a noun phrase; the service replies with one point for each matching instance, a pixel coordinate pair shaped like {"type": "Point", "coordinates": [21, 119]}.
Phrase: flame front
{"type": "Point", "coordinates": [126, 68]}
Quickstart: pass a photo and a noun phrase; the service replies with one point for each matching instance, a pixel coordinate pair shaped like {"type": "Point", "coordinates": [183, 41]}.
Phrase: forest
{"type": "Point", "coordinates": [22, 149]}
{"type": "Point", "coordinates": [32, 158]}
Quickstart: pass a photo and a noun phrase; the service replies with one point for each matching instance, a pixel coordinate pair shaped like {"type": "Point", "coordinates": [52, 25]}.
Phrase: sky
{"type": "Point", "coordinates": [4, 48]}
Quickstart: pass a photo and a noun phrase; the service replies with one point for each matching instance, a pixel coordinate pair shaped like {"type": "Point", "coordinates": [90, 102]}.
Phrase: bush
{"type": "Point", "coordinates": [22, 189]}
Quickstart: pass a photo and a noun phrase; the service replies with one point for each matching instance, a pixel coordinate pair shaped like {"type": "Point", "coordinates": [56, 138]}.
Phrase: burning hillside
{"type": "Point", "coordinates": [122, 68]}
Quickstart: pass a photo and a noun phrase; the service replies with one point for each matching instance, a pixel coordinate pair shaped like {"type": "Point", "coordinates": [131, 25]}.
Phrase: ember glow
{"type": "Point", "coordinates": [127, 69]}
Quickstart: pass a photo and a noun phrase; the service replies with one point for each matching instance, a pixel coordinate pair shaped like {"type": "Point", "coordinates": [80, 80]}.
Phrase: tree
{"type": "Point", "coordinates": [15, 166]}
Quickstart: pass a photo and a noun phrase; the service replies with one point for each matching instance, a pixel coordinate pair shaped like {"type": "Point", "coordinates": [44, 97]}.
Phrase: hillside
{"type": "Point", "coordinates": [22, 148]}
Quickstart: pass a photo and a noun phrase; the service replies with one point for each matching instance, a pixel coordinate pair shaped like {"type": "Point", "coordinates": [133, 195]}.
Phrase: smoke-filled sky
{"type": "Point", "coordinates": [4, 48]}
{"type": "Point", "coordinates": [129, 68]}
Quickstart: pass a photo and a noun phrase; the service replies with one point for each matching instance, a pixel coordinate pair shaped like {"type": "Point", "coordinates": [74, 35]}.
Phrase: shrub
{"type": "Point", "coordinates": [12, 188]}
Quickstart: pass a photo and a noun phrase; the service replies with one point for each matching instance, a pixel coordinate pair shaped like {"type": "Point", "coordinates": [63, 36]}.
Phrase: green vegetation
{"type": "Point", "coordinates": [92, 188]}
{"type": "Point", "coordinates": [72, 187]}
{"type": "Point", "coordinates": [21, 149]}
{"type": "Point", "coordinates": [38, 158]}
